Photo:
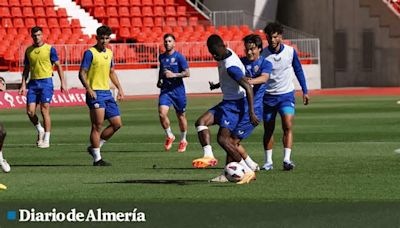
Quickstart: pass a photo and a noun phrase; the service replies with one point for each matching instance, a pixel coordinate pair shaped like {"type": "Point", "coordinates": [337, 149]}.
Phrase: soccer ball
{"type": "Point", "coordinates": [234, 172]}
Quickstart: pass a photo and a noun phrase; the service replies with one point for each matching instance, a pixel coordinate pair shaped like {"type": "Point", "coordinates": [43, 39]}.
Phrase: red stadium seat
{"type": "Point", "coordinates": [123, 11]}
{"type": "Point", "coordinates": [16, 12]}
{"type": "Point", "coordinates": [170, 11]}
{"type": "Point", "coordinates": [13, 3]}
{"type": "Point", "coordinates": [5, 12]}
{"type": "Point", "coordinates": [123, 3]}
{"type": "Point", "coordinates": [159, 21]}
{"type": "Point", "coordinates": [53, 23]}
{"type": "Point", "coordinates": [48, 3]}
{"type": "Point", "coordinates": [136, 22]}
{"type": "Point", "coordinates": [148, 21]}
{"type": "Point", "coordinates": [135, 3]}
{"type": "Point", "coordinates": [50, 12]}
{"type": "Point", "coordinates": [181, 11]}
{"type": "Point", "coordinates": [158, 11]}
{"type": "Point", "coordinates": [26, 2]}
{"type": "Point", "coordinates": [111, 3]}
{"type": "Point", "coordinates": [113, 22]}
{"type": "Point", "coordinates": [100, 3]}
{"type": "Point", "coordinates": [75, 23]}
{"type": "Point", "coordinates": [86, 3]}
{"type": "Point", "coordinates": [147, 11]}
{"type": "Point", "coordinates": [38, 3]}
{"type": "Point", "coordinates": [41, 22]}
{"type": "Point", "coordinates": [125, 22]}
{"type": "Point", "coordinates": [7, 23]}
{"type": "Point", "coordinates": [19, 23]}
{"type": "Point", "coordinates": [182, 21]}
{"type": "Point", "coordinates": [30, 22]}
{"type": "Point", "coordinates": [112, 12]}
{"type": "Point", "coordinates": [39, 12]}
{"type": "Point", "coordinates": [147, 2]}
{"type": "Point", "coordinates": [63, 22]}
{"type": "Point", "coordinates": [170, 21]}
{"type": "Point", "coordinates": [62, 12]}
{"type": "Point", "coordinates": [178, 29]}
{"type": "Point", "coordinates": [3, 3]}
{"type": "Point", "coordinates": [124, 32]}
{"type": "Point", "coordinates": [28, 12]}
{"type": "Point", "coordinates": [99, 12]}
{"type": "Point", "coordinates": [159, 2]}
{"type": "Point", "coordinates": [193, 21]}
{"type": "Point", "coordinates": [135, 11]}
{"type": "Point", "coordinates": [169, 2]}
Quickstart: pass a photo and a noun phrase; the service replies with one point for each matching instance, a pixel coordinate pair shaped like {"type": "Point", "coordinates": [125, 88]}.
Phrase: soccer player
{"type": "Point", "coordinates": [258, 70]}
{"type": "Point", "coordinates": [39, 60]}
{"type": "Point", "coordinates": [237, 103]}
{"type": "Point", "coordinates": [96, 71]}
{"type": "Point", "coordinates": [279, 95]}
{"type": "Point", "coordinates": [173, 68]}
{"type": "Point", "coordinates": [3, 163]}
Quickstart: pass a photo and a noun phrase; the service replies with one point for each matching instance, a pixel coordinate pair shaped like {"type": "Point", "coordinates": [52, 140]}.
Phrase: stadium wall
{"type": "Point", "coordinates": [143, 81]}
{"type": "Point", "coordinates": [356, 49]}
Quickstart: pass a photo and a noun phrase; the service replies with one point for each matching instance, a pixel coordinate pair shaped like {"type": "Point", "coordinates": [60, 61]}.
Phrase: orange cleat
{"type": "Point", "coordinates": [168, 143]}
{"type": "Point", "coordinates": [182, 146]}
{"type": "Point", "coordinates": [248, 177]}
{"type": "Point", "coordinates": [204, 162]}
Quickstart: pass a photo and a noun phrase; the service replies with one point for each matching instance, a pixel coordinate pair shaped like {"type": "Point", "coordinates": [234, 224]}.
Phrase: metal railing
{"type": "Point", "coordinates": [147, 53]}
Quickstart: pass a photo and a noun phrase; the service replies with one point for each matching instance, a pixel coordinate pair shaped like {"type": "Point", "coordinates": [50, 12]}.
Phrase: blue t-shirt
{"type": "Point", "coordinates": [255, 69]}
{"type": "Point", "coordinates": [176, 63]}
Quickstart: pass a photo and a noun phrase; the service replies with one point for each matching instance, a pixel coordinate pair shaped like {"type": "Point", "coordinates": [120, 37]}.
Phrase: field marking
{"type": "Point", "coordinates": [161, 143]}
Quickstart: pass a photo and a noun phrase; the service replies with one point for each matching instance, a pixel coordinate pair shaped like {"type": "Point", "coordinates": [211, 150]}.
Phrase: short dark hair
{"type": "Point", "coordinates": [253, 39]}
{"type": "Point", "coordinates": [103, 30]}
{"type": "Point", "coordinates": [272, 28]}
{"type": "Point", "coordinates": [169, 35]}
{"type": "Point", "coordinates": [214, 41]}
{"type": "Point", "coordinates": [36, 29]}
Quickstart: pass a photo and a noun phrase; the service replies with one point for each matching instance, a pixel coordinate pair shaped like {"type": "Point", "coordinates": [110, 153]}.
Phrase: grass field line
{"type": "Point", "coordinates": [160, 143]}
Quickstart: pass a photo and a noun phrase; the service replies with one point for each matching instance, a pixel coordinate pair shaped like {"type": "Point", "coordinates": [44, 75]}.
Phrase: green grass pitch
{"type": "Point", "coordinates": [343, 149]}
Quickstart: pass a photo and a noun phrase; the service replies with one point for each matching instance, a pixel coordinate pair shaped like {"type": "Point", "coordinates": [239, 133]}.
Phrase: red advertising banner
{"type": "Point", "coordinates": [75, 97]}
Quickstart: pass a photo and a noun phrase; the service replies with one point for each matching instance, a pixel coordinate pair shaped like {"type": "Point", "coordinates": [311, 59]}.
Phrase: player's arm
{"type": "Point", "coordinates": [25, 75]}
{"type": "Point", "coordinates": [236, 74]}
{"type": "Point", "coordinates": [54, 59]}
{"type": "Point", "coordinates": [115, 81]}
{"type": "Point", "coordinates": [298, 70]}
{"type": "Point", "coordinates": [160, 75]}
{"type": "Point", "coordinates": [266, 69]}
{"type": "Point", "coordinates": [85, 65]}
{"type": "Point", "coordinates": [185, 73]}
{"type": "Point", "coordinates": [214, 85]}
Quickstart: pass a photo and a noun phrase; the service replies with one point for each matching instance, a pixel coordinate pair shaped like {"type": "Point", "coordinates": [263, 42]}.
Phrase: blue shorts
{"type": "Point", "coordinates": [175, 97]}
{"type": "Point", "coordinates": [282, 103]}
{"type": "Point", "coordinates": [245, 127]}
{"type": "Point", "coordinates": [228, 113]}
{"type": "Point", "coordinates": [40, 91]}
{"type": "Point", "coordinates": [104, 99]}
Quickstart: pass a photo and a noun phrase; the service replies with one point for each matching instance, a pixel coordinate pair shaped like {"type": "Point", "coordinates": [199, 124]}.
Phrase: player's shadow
{"type": "Point", "coordinates": [52, 165]}
{"type": "Point", "coordinates": [183, 168]}
{"type": "Point", "coordinates": [166, 182]}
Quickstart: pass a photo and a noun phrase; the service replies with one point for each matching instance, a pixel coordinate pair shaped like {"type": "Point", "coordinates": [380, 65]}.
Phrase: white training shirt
{"type": "Point", "coordinates": [231, 89]}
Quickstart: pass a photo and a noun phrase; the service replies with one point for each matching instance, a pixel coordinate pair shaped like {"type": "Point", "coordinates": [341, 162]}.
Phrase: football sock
{"type": "Point", "coordinates": [96, 154]}
{"type": "Point", "coordinates": [286, 154]}
{"type": "Point", "coordinates": [245, 166]}
{"type": "Point", "coordinates": [268, 156]}
{"type": "Point", "coordinates": [208, 151]}
{"type": "Point", "coordinates": [250, 163]}
{"type": "Point", "coordinates": [169, 133]}
{"type": "Point", "coordinates": [183, 135]}
{"type": "Point", "coordinates": [1, 156]}
{"type": "Point", "coordinates": [46, 137]}
{"type": "Point", "coordinates": [102, 141]}
{"type": "Point", "coordinates": [39, 128]}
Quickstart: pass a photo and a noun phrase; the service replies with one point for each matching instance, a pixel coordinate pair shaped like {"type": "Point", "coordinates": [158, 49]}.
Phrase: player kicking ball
{"type": "Point", "coordinates": [97, 69]}
{"type": "Point", "coordinates": [236, 104]}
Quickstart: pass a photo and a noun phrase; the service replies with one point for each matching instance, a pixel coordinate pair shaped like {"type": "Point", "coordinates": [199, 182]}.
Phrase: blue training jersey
{"type": "Point", "coordinates": [255, 69]}
{"type": "Point", "coordinates": [176, 63]}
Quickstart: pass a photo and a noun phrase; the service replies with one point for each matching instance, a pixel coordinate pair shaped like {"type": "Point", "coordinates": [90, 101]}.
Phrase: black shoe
{"type": "Point", "coordinates": [89, 150]}
{"type": "Point", "coordinates": [101, 162]}
{"type": "Point", "coordinates": [287, 166]}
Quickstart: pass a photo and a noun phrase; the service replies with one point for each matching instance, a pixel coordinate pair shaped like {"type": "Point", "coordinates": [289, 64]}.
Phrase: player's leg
{"type": "Point", "coordinates": [243, 153]}
{"type": "Point", "coordinates": [287, 140]}
{"type": "Point", "coordinates": [224, 139]}
{"type": "Point", "coordinates": [3, 163]}
{"type": "Point", "coordinates": [97, 119]}
{"type": "Point", "coordinates": [268, 140]}
{"type": "Point", "coordinates": [32, 100]}
{"type": "Point", "coordinates": [45, 111]}
{"type": "Point", "coordinates": [204, 136]}
{"type": "Point", "coordinates": [179, 102]}
{"type": "Point", "coordinates": [113, 115]}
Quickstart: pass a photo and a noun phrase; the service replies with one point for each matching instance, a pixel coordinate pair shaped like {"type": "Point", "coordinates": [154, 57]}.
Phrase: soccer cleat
{"type": "Point", "coordinates": [256, 168]}
{"type": "Point", "coordinates": [44, 144]}
{"type": "Point", "coordinates": [267, 166]}
{"type": "Point", "coordinates": [288, 165]}
{"type": "Point", "coordinates": [40, 138]}
{"type": "Point", "coordinates": [182, 146]}
{"type": "Point", "coordinates": [219, 179]}
{"type": "Point", "coordinates": [248, 177]}
{"type": "Point", "coordinates": [168, 143]}
{"type": "Point", "coordinates": [101, 162]}
{"type": "Point", "coordinates": [5, 166]}
{"type": "Point", "coordinates": [204, 162]}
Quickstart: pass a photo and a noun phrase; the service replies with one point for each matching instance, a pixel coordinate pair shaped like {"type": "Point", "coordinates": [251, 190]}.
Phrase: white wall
{"type": "Point", "coordinates": [143, 81]}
